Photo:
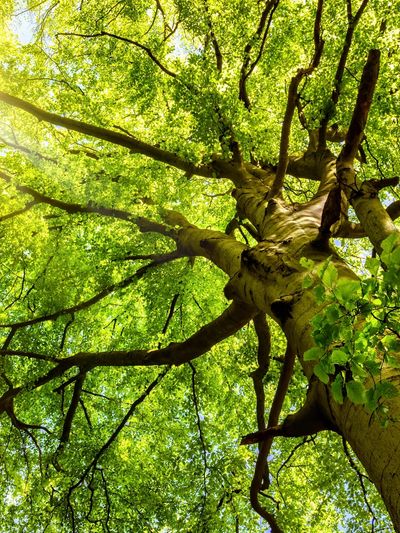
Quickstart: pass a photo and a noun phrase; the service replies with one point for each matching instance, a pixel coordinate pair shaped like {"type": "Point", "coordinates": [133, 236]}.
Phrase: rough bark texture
{"type": "Point", "coordinates": [270, 278]}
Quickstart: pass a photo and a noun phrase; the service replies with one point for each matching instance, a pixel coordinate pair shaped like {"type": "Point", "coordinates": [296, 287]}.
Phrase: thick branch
{"type": "Point", "coordinates": [134, 145]}
{"type": "Point", "coordinates": [292, 103]}
{"type": "Point", "coordinates": [364, 196]}
{"type": "Point", "coordinates": [230, 321]}
{"type": "Point", "coordinates": [308, 420]}
{"type": "Point", "coordinates": [358, 122]}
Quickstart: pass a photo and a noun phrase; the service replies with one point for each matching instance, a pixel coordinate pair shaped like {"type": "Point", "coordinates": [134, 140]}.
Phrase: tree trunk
{"type": "Point", "coordinates": [269, 276]}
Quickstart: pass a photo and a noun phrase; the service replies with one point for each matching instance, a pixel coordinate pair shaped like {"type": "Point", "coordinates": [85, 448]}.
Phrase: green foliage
{"type": "Point", "coordinates": [176, 465]}
{"type": "Point", "coordinates": [357, 330]}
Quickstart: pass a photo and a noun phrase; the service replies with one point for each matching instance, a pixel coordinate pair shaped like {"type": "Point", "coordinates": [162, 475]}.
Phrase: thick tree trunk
{"type": "Point", "coordinates": [270, 278]}
{"type": "Point", "coordinates": [276, 284]}
{"type": "Point", "coordinates": [378, 448]}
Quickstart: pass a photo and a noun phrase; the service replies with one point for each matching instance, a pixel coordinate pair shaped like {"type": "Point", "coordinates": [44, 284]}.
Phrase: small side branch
{"type": "Point", "coordinates": [118, 430]}
{"type": "Point", "coordinates": [330, 215]}
{"type": "Point", "coordinates": [261, 472]}
{"type": "Point", "coordinates": [361, 478]}
{"type": "Point", "coordinates": [263, 355]}
{"type": "Point", "coordinates": [308, 420]}
{"type": "Point", "coordinates": [146, 49]}
{"type": "Point", "coordinates": [337, 84]}
{"type": "Point", "coordinates": [162, 259]}
{"type": "Point", "coordinates": [273, 429]}
{"type": "Point", "coordinates": [201, 437]}
{"type": "Point", "coordinates": [72, 409]}
{"type": "Point", "coordinates": [70, 208]}
{"type": "Point", "coordinates": [17, 212]}
{"type": "Point", "coordinates": [26, 151]}
{"type": "Point", "coordinates": [214, 41]}
{"type": "Point", "coordinates": [260, 34]}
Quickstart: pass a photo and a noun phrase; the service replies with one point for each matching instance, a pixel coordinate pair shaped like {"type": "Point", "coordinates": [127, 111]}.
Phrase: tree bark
{"type": "Point", "coordinates": [270, 278]}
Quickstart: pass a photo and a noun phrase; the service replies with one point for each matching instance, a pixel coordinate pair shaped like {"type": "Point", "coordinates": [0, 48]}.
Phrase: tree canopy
{"type": "Point", "coordinates": [137, 140]}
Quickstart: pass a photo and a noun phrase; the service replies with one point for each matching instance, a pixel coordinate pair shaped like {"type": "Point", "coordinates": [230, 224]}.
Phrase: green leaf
{"type": "Point", "coordinates": [348, 291]}
{"type": "Point", "coordinates": [393, 361]}
{"type": "Point", "coordinates": [387, 390]}
{"type": "Point", "coordinates": [321, 374]}
{"type": "Point", "coordinates": [371, 401]}
{"type": "Point", "coordinates": [356, 392]}
{"type": "Point", "coordinates": [319, 293]}
{"type": "Point", "coordinates": [390, 242]}
{"type": "Point", "coordinates": [373, 367]}
{"type": "Point", "coordinates": [307, 281]}
{"type": "Point", "coordinates": [358, 369]}
{"type": "Point", "coordinates": [373, 265]}
{"type": "Point", "coordinates": [306, 263]}
{"type": "Point", "coordinates": [332, 313]}
{"type": "Point", "coordinates": [339, 357]}
{"type": "Point", "coordinates": [330, 275]}
{"type": "Point", "coordinates": [391, 342]}
{"type": "Point", "coordinates": [389, 253]}
{"type": "Point", "coordinates": [337, 389]}
{"type": "Point", "coordinates": [313, 354]}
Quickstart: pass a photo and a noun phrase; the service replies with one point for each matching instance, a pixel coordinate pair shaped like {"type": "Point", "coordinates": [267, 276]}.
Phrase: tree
{"type": "Point", "coordinates": [191, 195]}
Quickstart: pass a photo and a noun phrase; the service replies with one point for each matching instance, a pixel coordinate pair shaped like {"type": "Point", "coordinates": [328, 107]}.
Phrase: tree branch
{"type": "Point", "coordinates": [360, 479]}
{"type": "Point", "coordinates": [263, 355]}
{"type": "Point", "coordinates": [66, 206]}
{"type": "Point", "coordinates": [309, 419]}
{"type": "Point", "coordinates": [352, 24]}
{"type": "Point", "coordinates": [27, 151]}
{"type": "Point", "coordinates": [358, 122]}
{"type": "Point", "coordinates": [201, 436]}
{"type": "Point", "coordinates": [119, 428]}
{"type": "Point", "coordinates": [217, 50]}
{"type": "Point", "coordinates": [134, 145]}
{"type": "Point", "coordinates": [27, 207]}
{"type": "Point", "coordinates": [72, 409]}
{"type": "Point", "coordinates": [125, 40]}
{"type": "Point", "coordinates": [161, 259]}
{"type": "Point", "coordinates": [230, 321]}
{"type": "Point", "coordinates": [261, 33]}
{"type": "Point", "coordinates": [292, 103]}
